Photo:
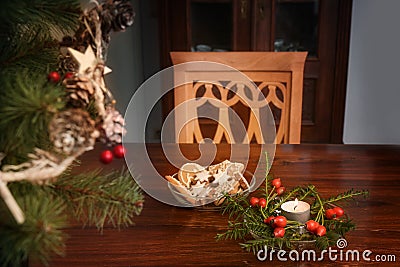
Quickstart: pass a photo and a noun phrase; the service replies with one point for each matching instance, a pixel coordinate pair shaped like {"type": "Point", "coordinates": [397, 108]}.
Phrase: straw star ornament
{"type": "Point", "coordinates": [87, 61]}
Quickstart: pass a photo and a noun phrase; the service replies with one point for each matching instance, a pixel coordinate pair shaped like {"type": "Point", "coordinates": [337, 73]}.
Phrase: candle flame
{"type": "Point", "coordinates": [296, 203]}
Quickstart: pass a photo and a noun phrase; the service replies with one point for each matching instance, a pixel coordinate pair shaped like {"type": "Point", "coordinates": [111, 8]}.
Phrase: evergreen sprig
{"type": "Point", "coordinates": [28, 26]}
{"type": "Point", "coordinates": [234, 205]}
{"type": "Point", "coordinates": [255, 245]}
{"type": "Point", "coordinates": [27, 104]}
{"type": "Point", "coordinates": [41, 234]}
{"type": "Point", "coordinates": [236, 230]}
{"type": "Point", "coordinates": [346, 196]}
{"type": "Point", "coordinates": [93, 198]}
{"type": "Point", "coordinates": [96, 199]}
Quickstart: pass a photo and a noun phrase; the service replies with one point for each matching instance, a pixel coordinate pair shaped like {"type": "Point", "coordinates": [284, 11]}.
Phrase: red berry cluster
{"type": "Point", "coordinates": [55, 77]}
{"type": "Point", "coordinates": [334, 213]}
{"type": "Point", "coordinates": [278, 223]}
{"type": "Point", "coordinates": [315, 228]}
{"type": "Point", "coordinates": [260, 202]}
{"type": "Point", "coordinates": [277, 185]}
{"type": "Point", "coordinates": [107, 156]}
{"type": "Point", "coordinates": [320, 230]}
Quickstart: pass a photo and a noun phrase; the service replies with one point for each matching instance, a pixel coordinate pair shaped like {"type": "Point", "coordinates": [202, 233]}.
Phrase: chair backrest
{"type": "Point", "coordinates": [278, 75]}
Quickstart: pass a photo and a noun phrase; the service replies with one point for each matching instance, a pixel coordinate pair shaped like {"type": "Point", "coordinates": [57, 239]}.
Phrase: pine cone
{"type": "Point", "coordinates": [113, 126]}
{"type": "Point", "coordinates": [116, 16]}
{"type": "Point", "coordinates": [124, 15]}
{"type": "Point", "coordinates": [67, 64]}
{"type": "Point", "coordinates": [79, 89]}
{"type": "Point", "coordinates": [71, 130]}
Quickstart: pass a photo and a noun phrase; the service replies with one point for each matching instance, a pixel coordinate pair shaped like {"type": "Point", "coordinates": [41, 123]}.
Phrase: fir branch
{"type": "Point", "coordinates": [340, 226]}
{"type": "Point", "coordinates": [234, 205]}
{"type": "Point", "coordinates": [96, 198]}
{"type": "Point", "coordinates": [256, 245]}
{"type": "Point", "coordinates": [41, 61]}
{"type": "Point", "coordinates": [346, 196]}
{"type": "Point", "coordinates": [236, 230]}
{"type": "Point", "coordinates": [28, 25]}
{"type": "Point", "coordinates": [41, 234]}
{"type": "Point", "coordinates": [322, 242]}
{"type": "Point", "coordinates": [259, 229]}
{"type": "Point", "coordinates": [27, 105]}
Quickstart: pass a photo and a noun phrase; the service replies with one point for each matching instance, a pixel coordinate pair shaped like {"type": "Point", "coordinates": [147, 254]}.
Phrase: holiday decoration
{"type": "Point", "coordinates": [54, 77]}
{"type": "Point", "coordinates": [196, 185]}
{"type": "Point", "coordinates": [119, 151]}
{"type": "Point", "coordinates": [117, 15]}
{"type": "Point", "coordinates": [80, 90]}
{"type": "Point", "coordinates": [113, 126]}
{"type": "Point", "coordinates": [106, 156]}
{"type": "Point", "coordinates": [282, 220]}
{"type": "Point", "coordinates": [46, 124]}
{"type": "Point", "coordinates": [69, 75]}
{"type": "Point", "coordinates": [72, 130]}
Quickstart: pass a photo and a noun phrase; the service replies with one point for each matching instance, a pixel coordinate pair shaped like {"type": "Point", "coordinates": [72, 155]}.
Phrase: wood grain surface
{"type": "Point", "coordinates": [171, 236]}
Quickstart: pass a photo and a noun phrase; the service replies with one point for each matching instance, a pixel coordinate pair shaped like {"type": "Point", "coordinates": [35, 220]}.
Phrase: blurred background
{"type": "Point", "coordinates": [350, 76]}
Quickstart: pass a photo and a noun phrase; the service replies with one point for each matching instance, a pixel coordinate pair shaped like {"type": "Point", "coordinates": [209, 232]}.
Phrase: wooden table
{"type": "Point", "coordinates": [171, 236]}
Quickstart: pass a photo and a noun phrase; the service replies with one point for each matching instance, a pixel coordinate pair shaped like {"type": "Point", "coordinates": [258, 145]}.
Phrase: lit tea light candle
{"type": "Point", "coordinates": [296, 210]}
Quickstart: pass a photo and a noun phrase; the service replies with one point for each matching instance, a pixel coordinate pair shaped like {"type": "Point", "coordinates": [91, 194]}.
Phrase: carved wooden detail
{"type": "Point", "coordinates": [274, 82]}
{"type": "Point", "coordinates": [227, 95]}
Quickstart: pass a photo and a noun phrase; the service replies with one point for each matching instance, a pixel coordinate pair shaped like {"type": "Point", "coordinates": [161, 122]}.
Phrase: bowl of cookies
{"type": "Point", "coordinates": [196, 185]}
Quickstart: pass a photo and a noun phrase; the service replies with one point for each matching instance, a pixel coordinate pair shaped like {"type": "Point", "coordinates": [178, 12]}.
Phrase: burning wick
{"type": "Point", "coordinates": [296, 203]}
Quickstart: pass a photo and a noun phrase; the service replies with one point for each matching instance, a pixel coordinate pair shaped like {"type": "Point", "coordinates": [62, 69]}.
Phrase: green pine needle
{"type": "Point", "coordinates": [94, 198]}
{"type": "Point", "coordinates": [27, 105]}
{"type": "Point", "coordinates": [41, 234]}
{"type": "Point", "coordinates": [28, 26]}
{"type": "Point", "coordinates": [246, 223]}
{"type": "Point", "coordinates": [97, 199]}
{"type": "Point", "coordinates": [30, 33]}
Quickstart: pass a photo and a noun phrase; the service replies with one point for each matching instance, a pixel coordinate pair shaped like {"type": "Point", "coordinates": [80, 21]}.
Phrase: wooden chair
{"type": "Point", "coordinates": [277, 75]}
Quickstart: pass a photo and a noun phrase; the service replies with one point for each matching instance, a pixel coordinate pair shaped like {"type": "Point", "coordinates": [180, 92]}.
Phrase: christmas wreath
{"type": "Point", "coordinates": [287, 219]}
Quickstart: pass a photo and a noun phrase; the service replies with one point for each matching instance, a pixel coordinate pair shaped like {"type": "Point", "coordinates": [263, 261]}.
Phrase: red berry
{"type": "Point", "coordinates": [276, 182]}
{"type": "Point", "coordinates": [330, 214]}
{"type": "Point", "coordinates": [254, 201]}
{"type": "Point", "coordinates": [269, 220]}
{"type": "Point", "coordinates": [312, 226]}
{"type": "Point", "coordinates": [280, 190]}
{"type": "Point", "coordinates": [119, 151]}
{"type": "Point", "coordinates": [262, 202]}
{"type": "Point", "coordinates": [53, 77]}
{"type": "Point", "coordinates": [338, 211]}
{"type": "Point", "coordinates": [321, 230]}
{"type": "Point", "coordinates": [280, 221]}
{"type": "Point", "coordinates": [279, 232]}
{"type": "Point", "coordinates": [68, 75]}
{"type": "Point", "coordinates": [106, 156]}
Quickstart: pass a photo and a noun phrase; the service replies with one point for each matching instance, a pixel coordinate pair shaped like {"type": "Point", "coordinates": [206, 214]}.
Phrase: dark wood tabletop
{"type": "Point", "coordinates": [165, 235]}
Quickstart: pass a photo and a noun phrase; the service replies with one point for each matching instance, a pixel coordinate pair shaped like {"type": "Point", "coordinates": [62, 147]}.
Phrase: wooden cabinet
{"type": "Point", "coordinates": [321, 27]}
